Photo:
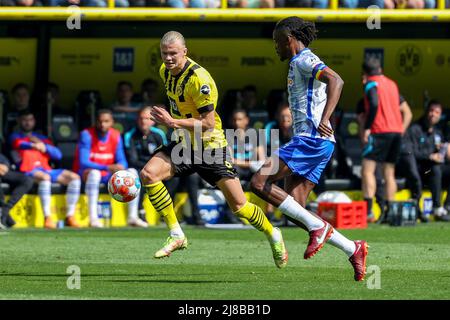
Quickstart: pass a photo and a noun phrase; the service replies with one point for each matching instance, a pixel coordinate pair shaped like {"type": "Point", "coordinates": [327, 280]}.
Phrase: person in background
{"type": "Point", "coordinates": [257, 114]}
{"type": "Point", "coordinates": [124, 103]}
{"type": "Point", "coordinates": [149, 92]}
{"type": "Point", "coordinates": [283, 125]}
{"type": "Point", "coordinates": [20, 101]}
{"type": "Point", "coordinates": [20, 185]}
{"type": "Point", "coordinates": [141, 142]}
{"type": "Point", "coordinates": [430, 152]}
{"type": "Point", "coordinates": [382, 131]}
{"type": "Point", "coordinates": [248, 153]}
{"type": "Point", "coordinates": [34, 153]}
{"type": "Point", "coordinates": [98, 155]}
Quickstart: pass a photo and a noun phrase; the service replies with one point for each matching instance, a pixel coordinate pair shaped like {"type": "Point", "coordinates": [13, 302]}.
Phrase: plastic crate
{"type": "Point", "coordinates": [344, 215]}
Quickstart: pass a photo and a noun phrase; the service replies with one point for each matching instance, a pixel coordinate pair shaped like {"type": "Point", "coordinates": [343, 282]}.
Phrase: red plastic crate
{"type": "Point", "coordinates": [344, 215]}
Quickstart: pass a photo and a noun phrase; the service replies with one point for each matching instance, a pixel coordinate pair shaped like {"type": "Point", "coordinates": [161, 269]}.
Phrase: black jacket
{"type": "Point", "coordinates": [424, 143]}
{"type": "Point", "coordinates": [139, 148]}
{"type": "Point", "coordinates": [5, 161]}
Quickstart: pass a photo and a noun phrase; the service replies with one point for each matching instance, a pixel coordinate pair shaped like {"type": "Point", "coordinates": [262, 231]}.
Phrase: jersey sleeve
{"type": "Point", "coordinates": [162, 72]}
{"type": "Point", "coordinates": [202, 90]}
{"type": "Point", "coordinates": [310, 65]}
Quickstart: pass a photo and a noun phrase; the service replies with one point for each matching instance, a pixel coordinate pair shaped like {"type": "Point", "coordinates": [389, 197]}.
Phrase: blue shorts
{"type": "Point", "coordinates": [105, 179]}
{"type": "Point", "coordinates": [54, 173]}
{"type": "Point", "coordinates": [306, 156]}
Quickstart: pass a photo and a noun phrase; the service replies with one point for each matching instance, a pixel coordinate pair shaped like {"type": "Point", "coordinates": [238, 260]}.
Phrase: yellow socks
{"type": "Point", "coordinates": [256, 217]}
{"type": "Point", "coordinates": [162, 202]}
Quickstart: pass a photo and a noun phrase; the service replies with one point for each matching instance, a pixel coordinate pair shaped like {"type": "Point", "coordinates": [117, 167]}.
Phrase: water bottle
{"type": "Point", "coordinates": [106, 213]}
{"type": "Point", "coordinates": [427, 206]}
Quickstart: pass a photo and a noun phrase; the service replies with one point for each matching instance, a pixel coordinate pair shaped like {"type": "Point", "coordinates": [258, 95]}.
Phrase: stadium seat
{"type": "Point", "coordinates": [68, 151]}
{"type": "Point", "coordinates": [87, 103]}
{"type": "Point", "coordinates": [64, 128]}
{"type": "Point", "coordinates": [350, 143]}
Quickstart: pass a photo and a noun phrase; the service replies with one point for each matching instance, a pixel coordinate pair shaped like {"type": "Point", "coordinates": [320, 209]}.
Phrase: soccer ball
{"type": "Point", "coordinates": [124, 186]}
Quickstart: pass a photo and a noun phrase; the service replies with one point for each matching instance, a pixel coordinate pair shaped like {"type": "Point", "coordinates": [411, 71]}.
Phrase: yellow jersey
{"type": "Point", "coordinates": [191, 93]}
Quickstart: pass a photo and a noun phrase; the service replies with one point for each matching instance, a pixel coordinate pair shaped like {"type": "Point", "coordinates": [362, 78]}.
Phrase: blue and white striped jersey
{"type": "Point", "coordinates": [307, 95]}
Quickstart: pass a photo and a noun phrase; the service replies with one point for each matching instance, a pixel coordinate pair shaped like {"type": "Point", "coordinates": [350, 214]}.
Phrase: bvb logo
{"type": "Point", "coordinates": [409, 60]}
{"type": "Point", "coordinates": [154, 60]}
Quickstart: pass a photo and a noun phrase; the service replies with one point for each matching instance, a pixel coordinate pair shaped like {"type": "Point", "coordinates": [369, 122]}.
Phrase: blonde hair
{"type": "Point", "coordinates": [171, 37]}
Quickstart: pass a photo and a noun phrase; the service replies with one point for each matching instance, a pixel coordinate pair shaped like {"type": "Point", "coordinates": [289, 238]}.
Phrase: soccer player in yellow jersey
{"type": "Point", "coordinates": [193, 98]}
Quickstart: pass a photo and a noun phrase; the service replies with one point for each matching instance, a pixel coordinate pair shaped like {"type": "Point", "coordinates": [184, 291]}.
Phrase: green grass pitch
{"type": "Point", "coordinates": [220, 264]}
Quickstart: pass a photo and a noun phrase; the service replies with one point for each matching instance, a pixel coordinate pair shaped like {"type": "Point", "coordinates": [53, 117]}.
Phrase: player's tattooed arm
{"type": "Point", "coordinates": [334, 88]}
{"type": "Point", "coordinates": [206, 120]}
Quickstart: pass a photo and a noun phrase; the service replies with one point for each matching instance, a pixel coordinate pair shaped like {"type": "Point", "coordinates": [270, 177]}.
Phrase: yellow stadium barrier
{"type": "Point", "coordinates": [228, 15]}
{"type": "Point", "coordinates": [28, 211]}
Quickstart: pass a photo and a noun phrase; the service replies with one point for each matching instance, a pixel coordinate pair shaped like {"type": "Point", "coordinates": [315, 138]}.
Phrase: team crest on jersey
{"type": "Point", "coordinates": [290, 82]}
{"type": "Point", "coordinates": [179, 90]}
{"type": "Point", "coordinates": [205, 89]}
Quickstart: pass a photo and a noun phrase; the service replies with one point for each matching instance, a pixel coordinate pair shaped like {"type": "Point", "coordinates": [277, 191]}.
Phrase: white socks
{"type": "Point", "coordinates": [293, 209]}
{"type": "Point", "coordinates": [44, 192]}
{"type": "Point", "coordinates": [276, 235]}
{"type": "Point", "coordinates": [72, 196]}
{"type": "Point", "coordinates": [133, 205]}
{"type": "Point", "coordinates": [341, 242]}
{"type": "Point", "coordinates": [92, 191]}
{"type": "Point", "coordinates": [176, 232]}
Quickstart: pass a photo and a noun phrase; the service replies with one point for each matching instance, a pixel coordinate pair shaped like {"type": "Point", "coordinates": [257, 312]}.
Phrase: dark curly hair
{"type": "Point", "coordinates": [302, 30]}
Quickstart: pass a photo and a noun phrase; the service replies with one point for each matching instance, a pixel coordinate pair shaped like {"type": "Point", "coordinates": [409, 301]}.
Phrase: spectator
{"type": "Point", "coordinates": [319, 4]}
{"type": "Point", "coordinates": [86, 3]}
{"type": "Point", "coordinates": [124, 103]}
{"type": "Point", "coordinates": [430, 152]}
{"type": "Point", "coordinates": [147, 3]}
{"type": "Point", "coordinates": [409, 4]}
{"type": "Point", "coordinates": [141, 142]}
{"type": "Point", "coordinates": [382, 130]}
{"type": "Point", "coordinates": [28, 3]}
{"type": "Point", "coordinates": [282, 123]}
{"type": "Point", "coordinates": [34, 153]}
{"type": "Point", "coordinates": [251, 3]}
{"type": "Point", "coordinates": [248, 151]}
{"type": "Point", "coordinates": [52, 99]}
{"type": "Point", "coordinates": [149, 92]}
{"type": "Point", "coordinates": [193, 3]}
{"type": "Point", "coordinates": [283, 127]}
{"type": "Point", "coordinates": [20, 184]}
{"type": "Point", "coordinates": [257, 114]}
{"type": "Point", "coordinates": [407, 164]}
{"type": "Point", "coordinates": [99, 154]}
{"type": "Point", "coordinates": [20, 101]}
{"type": "Point", "coordinates": [365, 3]}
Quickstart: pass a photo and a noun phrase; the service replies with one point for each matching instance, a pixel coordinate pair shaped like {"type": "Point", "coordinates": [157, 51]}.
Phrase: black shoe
{"type": "Point", "coordinates": [6, 218]}
{"type": "Point", "coordinates": [422, 218]}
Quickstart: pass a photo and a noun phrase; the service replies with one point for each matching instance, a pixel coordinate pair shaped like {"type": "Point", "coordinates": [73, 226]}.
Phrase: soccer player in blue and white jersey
{"type": "Point", "coordinates": [314, 90]}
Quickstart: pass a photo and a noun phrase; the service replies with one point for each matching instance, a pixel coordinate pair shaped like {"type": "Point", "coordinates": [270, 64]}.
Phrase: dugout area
{"type": "Point", "coordinates": [36, 47]}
